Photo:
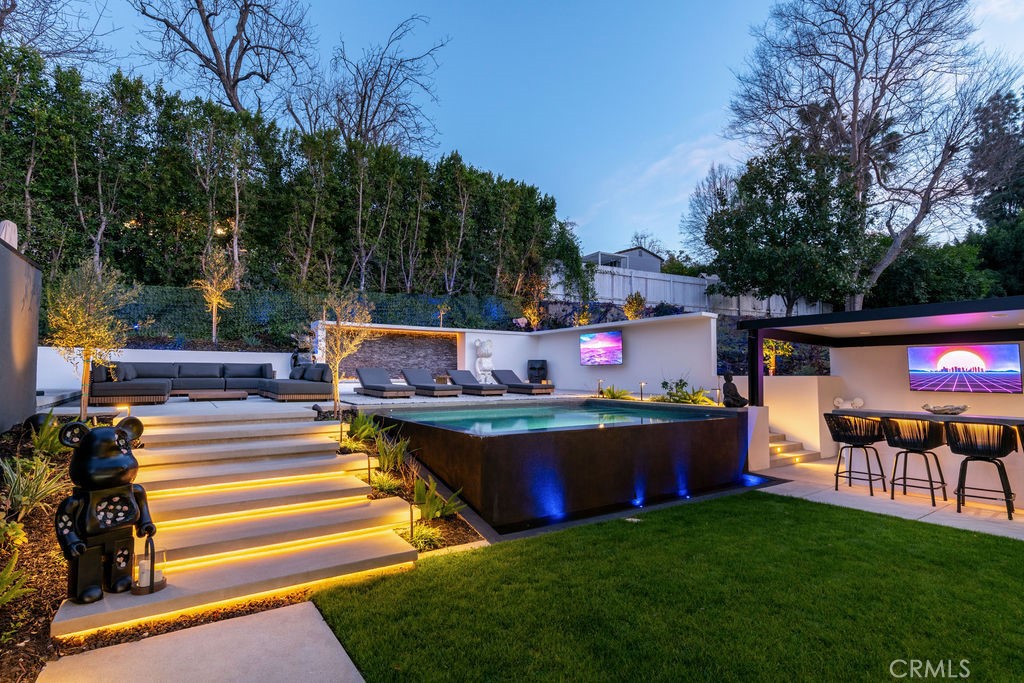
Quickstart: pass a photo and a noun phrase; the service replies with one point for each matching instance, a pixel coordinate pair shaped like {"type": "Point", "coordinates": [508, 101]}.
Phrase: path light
{"type": "Point", "coordinates": [126, 409]}
{"type": "Point", "coordinates": [642, 385]}
{"type": "Point", "coordinates": [600, 388]}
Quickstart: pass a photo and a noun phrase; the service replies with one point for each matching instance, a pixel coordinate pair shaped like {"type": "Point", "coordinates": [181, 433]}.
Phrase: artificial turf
{"type": "Point", "coordinates": [739, 588]}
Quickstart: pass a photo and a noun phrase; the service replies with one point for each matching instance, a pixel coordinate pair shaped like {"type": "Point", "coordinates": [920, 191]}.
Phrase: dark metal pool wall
{"type": "Point", "coordinates": [519, 480]}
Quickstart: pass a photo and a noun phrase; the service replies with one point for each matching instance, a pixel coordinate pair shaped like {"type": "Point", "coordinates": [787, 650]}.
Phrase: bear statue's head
{"type": "Point", "coordinates": [103, 456]}
{"type": "Point", "coordinates": [484, 348]}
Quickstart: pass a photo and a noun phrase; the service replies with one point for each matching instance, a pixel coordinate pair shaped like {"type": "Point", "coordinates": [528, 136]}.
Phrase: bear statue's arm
{"type": "Point", "coordinates": [145, 526]}
{"type": "Point", "coordinates": [71, 544]}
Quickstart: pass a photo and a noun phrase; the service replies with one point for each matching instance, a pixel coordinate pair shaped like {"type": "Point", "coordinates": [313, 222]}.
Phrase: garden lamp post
{"type": "Point", "coordinates": [642, 385]}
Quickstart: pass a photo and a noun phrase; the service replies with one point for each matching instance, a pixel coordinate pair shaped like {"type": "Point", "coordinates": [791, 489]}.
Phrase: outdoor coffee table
{"type": "Point", "coordinates": [218, 395]}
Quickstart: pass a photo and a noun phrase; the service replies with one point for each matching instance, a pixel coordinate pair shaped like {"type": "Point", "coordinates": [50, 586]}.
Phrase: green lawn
{"type": "Point", "coordinates": [746, 587]}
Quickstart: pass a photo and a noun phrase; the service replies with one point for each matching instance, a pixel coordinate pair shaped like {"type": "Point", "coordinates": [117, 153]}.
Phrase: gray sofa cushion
{"type": "Point", "coordinates": [99, 373]}
{"type": "Point", "coordinates": [315, 373]}
{"type": "Point", "coordinates": [199, 369]}
{"type": "Point", "coordinates": [125, 372]}
{"type": "Point", "coordinates": [294, 387]}
{"type": "Point", "coordinates": [250, 384]}
{"type": "Point", "coordinates": [136, 387]}
{"type": "Point", "coordinates": [196, 383]}
{"type": "Point", "coordinates": [264, 370]}
{"type": "Point", "coordinates": [154, 370]}
{"type": "Point", "coordinates": [296, 372]}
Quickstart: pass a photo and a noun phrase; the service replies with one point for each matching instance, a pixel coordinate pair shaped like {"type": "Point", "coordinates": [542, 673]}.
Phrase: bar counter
{"type": "Point", "coordinates": [925, 415]}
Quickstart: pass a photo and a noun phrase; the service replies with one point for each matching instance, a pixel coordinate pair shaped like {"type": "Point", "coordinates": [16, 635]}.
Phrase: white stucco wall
{"type": "Point", "coordinates": [54, 372]}
{"type": "Point", "coordinates": [653, 350]}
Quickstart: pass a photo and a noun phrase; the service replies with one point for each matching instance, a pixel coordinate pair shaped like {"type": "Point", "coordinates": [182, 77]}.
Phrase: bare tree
{"type": "Point", "coordinates": [375, 98]}
{"type": "Point", "coordinates": [66, 31]}
{"type": "Point", "coordinates": [232, 45]}
{"type": "Point", "coordinates": [645, 239]}
{"type": "Point", "coordinates": [711, 194]}
{"type": "Point", "coordinates": [891, 86]}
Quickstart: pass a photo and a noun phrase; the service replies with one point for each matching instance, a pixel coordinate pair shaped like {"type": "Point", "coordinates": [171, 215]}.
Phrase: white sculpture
{"type": "Point", "coordinates": [841, 402]}
{"type": "Point", "coordinates": [484, 364]}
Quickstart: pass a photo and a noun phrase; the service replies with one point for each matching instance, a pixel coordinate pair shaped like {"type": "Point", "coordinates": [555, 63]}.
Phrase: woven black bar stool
{"type": "Point", "coordinates": [919, 437]}
{"type": "Point", "coordinates": [982, 442]}
{"type": "Point", "coordinates": [858, 433]}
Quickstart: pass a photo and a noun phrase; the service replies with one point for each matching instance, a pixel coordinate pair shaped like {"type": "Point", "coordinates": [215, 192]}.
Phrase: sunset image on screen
{"type": "Point", "coordinates": [972, 368]}
{"type": "Point", "coordinates": [601, 348]}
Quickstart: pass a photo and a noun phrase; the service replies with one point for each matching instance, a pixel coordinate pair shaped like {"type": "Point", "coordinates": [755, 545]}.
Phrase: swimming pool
{"type": "Point", "coordinates": [540, 462]}
{"type": "Point", "coordinates": [496, 420]}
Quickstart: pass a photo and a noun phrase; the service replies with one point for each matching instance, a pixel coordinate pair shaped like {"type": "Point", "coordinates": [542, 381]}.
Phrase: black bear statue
{"type": "Point", "coordinates": [95, 523]}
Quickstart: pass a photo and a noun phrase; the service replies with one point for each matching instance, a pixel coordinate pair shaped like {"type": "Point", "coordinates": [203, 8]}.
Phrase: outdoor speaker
{"type": "Point", "coordinates": [537, 371]}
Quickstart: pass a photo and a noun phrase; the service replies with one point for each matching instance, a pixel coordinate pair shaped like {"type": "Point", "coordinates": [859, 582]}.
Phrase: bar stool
{"type": "Point", "coordinates": [856, 433]}
{"type": "Point", "coordinates": [982, 442]}
{"type": "Point", "coordinates": [918, 437]}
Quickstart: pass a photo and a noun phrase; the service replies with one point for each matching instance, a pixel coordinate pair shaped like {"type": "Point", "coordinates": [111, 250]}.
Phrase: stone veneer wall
{"type": "Point", "coordinates": [396, 350]}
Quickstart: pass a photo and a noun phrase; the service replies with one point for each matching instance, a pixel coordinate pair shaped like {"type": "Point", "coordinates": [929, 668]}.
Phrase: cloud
{"type": "Point", "coordinates": [651, 194]}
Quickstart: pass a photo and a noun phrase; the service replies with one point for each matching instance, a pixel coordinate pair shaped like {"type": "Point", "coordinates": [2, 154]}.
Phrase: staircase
{"type": "Point", "coordinates": [247, 505]}
{"type": "Point", "coordinates": [782, 451]}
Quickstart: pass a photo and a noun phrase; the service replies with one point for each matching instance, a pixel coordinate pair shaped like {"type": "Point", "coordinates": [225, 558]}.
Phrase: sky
{"type": "Point", "coordinates": [616, 111]}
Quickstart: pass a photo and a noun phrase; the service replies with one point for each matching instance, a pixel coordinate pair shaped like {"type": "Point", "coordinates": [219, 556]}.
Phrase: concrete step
{"type": "Point", "coordinates": [787, 446]}
{"type": "Point", "coordinates": [235, 536]}
{"type": "Point", "coordinates": [233, 416]}
{"type": "Point", "coordinates": [216, 433]}
{"type": "Point", "coordinates": [205, 502]}
{"type": "Point", "coordinates": [161, 478]}
{"type": "Point", "coordinates": [226, 581]}
{"type": "Point", "coordinates": [197, 453]}
{"type": "Point", "coordinates": [793, 457]}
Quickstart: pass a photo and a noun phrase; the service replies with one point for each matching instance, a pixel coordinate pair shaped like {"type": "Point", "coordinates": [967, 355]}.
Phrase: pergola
{"type": "Point", "coordinates": [983, 320]}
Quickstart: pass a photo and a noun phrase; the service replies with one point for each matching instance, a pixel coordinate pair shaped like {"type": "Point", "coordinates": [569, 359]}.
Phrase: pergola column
{"type": "Point", "coordinates": [755, 367]}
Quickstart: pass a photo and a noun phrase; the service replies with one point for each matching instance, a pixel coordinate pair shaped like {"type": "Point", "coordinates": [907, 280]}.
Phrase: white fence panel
{"type": "Point", "coordinates": [613, 285]}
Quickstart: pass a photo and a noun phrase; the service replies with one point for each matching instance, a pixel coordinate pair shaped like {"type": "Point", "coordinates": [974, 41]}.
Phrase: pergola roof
{"type": "Point", "coordinates": [983, 320]}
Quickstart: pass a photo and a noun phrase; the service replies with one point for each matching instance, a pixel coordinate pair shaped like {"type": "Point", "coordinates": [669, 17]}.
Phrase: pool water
{"type": "Point", "coordinates": [546, 418]}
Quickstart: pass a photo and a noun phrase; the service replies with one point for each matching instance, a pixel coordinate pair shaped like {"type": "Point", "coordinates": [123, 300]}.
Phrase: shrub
{"type": "Point", "coordinates": [392, 454]}
{"type": "Point", "coordinates": [677, 392]}
{"type": "Point", "coordinates": [364, 430]}
{"type": "Point", "coordinates": [12, 582]}
{"type": "Point", "coordinates": [424, 537]}
{"type": "Point", "coordinates": [634, 306]}
{"type": "Point", "coordinates": [611, 391]}
{"type": "Point", "coordinates": [30, 482]}
{"type": "Point", "coordinates": [385, 482]}
{"type": "Point", "coordinates": [12, 534]}
{"type": "Point", "coordinates": [46, 441]}
{"type": "Point", "coordinates": [432, 504]}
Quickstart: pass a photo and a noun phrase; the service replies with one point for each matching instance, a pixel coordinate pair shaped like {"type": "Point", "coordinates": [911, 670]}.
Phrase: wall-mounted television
{"type": "Point", "coordinates": [969, 368]}
{"type": "Point", "coordinates": [601, 348]}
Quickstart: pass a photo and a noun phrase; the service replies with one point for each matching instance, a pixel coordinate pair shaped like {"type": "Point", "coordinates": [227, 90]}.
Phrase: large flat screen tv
{"type": "Point", "coordinates": [969, 368]}
{"type": "Point", "coordinates": [601, 348]}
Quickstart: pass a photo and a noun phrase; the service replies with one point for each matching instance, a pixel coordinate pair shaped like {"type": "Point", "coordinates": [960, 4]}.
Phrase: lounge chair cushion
{"type": "Point", "coordinates": [154, 370]}
{"type": "Point", "coordinates": [204, 370]}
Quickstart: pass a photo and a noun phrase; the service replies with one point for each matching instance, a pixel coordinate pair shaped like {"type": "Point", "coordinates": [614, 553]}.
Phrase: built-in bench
{"type": "Point", "coordinates": [137, 383]}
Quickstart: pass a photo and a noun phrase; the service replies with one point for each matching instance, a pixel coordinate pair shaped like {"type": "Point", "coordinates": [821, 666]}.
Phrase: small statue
{"type": "Point", "coordinates": [731, 395]}
{"type": "Point", "coordinates": [484, 363]}
{"type": "Point", "coordinates": [95, 523]}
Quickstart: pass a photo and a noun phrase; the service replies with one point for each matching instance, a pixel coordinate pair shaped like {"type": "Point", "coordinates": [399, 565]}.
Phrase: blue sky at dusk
{"type": "Point", "coordinates": [615, 110]}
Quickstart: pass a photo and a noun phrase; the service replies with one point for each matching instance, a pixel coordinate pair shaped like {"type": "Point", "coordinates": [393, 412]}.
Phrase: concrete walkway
{"type": "Point", "coordinates": [814, 481]}
{"type": "Point", "coordinates": [286, 645]}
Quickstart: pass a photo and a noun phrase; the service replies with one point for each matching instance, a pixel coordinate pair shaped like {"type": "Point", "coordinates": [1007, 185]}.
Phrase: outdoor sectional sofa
{"type": "Point", "coordinates": [137, 383]}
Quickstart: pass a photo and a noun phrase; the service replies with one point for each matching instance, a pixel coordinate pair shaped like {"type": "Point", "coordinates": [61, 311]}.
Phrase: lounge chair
{"type": "Point", "coordinates": [470, 385]}
{"type": "Point", "coordinates": [425, 385]}
{"type": "Point", "coordinates": [376, 382]}
{"type": "Point", "coordinates": [518, 386]}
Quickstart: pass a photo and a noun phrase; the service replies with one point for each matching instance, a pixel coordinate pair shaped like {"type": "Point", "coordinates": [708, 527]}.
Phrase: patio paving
{"type": "Point", "coordinates": [814, 481]}
{"type": "Point", "coordinates": [287, 644]}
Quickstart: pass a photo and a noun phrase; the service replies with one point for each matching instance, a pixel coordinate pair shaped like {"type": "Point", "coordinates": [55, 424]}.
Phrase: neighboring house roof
{"type": "Point", "coordinates": [648, 251]}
